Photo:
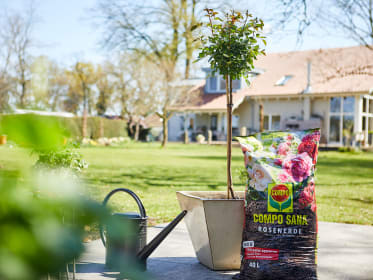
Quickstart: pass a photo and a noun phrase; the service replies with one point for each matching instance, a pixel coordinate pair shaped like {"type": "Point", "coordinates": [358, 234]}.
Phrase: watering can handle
{"type": "Point", "coordinates": [134, 196]}
{"type": "Point", "coordinates": [131, 193]}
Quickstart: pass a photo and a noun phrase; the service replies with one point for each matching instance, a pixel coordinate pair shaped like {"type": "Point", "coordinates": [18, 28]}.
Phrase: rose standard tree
{"type": "Point", "coordinates": [231, 44]}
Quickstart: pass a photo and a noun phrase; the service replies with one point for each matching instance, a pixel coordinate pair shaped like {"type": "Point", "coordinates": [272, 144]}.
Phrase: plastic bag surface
{"type": "Point", "coordinates": [280, 231]}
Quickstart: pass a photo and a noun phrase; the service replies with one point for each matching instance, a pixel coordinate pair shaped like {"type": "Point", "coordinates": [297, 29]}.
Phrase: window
{"type": "Point", "coordinates": [367, 120]}
{"type": "Point", "coordinates": [191, 123]}
{"type": "Point", "coordinates": [217, 84]}
{"type": "Point", "coordinates": [212, 83]}
{"type": "Point", "coordinates": [335, 104]}
{"type": "Point", "coordinates": [271, 122]}
{"type": "Point", "coordinates": [283, 80]}
{"type": "Point", "coordinates": [341, 120]}
{"type": "Point", "coordinates": [182, 122]}
{"type": "Point", "coordinates": [334, 130]}
{"type": "Point", "coordinates": [222, 83]}
{"type": "Point", "coordinates": [214, 122]}
{"type": "Point", "coordinates": [235, 121]}
{"type": "Point", "coordinates": [266, 123]}
{"type": "Point", "coordinates": [365, 105]}
{"type": "Point", "coordinates": [275, 124]}
{"type": "Point", "coordinates": [348, 104]}
{"type": "Point", "coordinates": [236, 84]}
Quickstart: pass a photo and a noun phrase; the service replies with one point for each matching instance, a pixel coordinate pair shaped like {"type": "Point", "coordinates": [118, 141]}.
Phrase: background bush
{"type": "Point", "coordinates": [96, 126]}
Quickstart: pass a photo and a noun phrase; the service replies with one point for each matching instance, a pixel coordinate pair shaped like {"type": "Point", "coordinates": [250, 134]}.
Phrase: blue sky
{"type": "Point", "coordinates": [63, 31]}
{"type": "Point", "coordinates": [66, 33]}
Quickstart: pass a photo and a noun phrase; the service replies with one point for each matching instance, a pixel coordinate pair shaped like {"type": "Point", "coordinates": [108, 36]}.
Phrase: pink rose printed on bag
{"type": "Point", "coordinates": [280, 232]}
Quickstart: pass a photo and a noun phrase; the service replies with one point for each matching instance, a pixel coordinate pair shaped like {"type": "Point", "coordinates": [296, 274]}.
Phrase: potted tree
{"type": "Point", "coordinates": [215, 219]}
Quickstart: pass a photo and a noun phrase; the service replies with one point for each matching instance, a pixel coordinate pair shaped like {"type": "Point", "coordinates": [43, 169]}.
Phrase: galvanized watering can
{"type": "Point", "coordinates": [131, 244]}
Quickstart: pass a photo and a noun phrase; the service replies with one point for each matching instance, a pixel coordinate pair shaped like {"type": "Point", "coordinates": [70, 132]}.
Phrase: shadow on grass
{"type": "Point", "coordinates": [215, 158]}
{"type": "Point", "coordinates": [345, 163]}
{"type": "Point", "coordinates": [145, 177]}
{"type": "Point", "coordinates": [368, 201]}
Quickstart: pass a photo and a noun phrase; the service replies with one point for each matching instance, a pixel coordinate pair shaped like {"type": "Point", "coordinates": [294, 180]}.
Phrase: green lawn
{"type": "Point", "coordinates": [344, 180]}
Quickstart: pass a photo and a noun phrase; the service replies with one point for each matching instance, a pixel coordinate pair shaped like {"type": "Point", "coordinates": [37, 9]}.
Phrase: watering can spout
{"type": "Point", "coordinates": [148, 249]}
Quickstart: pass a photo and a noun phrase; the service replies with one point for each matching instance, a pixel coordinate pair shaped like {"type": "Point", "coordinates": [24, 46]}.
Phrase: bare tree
{"type": "Point", "coordinates": [57, 87]}
{"type": "Point", "coordinates": [5, 78]}
{"type": "Point", "coordinates": [82, 78]}
{"type": "Point", "coordinates": [162, 26]}
{"type": "Point", "coordinates": [19, 28]}
{"type": "Point", "coordinates": [162, 33]}
{"type": "Point", "coordinates": [137, 89]}
{"type": "Point", "coordinates": [350, 18]}
{"type": "Point", "coordinates": [105, 87]}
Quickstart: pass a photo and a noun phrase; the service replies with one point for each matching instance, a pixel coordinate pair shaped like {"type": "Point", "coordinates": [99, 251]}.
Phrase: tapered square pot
{"type": "Point", "coordinates": [215, 226]}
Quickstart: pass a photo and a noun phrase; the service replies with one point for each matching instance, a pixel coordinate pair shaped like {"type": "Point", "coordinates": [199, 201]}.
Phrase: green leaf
{"type": "Point", "coordinates": [274, 204]}
{"type": "Point", "coordinates": [286, 204]}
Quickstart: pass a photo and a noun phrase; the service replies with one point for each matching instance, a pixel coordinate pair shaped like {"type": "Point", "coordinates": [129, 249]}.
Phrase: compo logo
{"type": "Point", "coordinates": [280, 198]}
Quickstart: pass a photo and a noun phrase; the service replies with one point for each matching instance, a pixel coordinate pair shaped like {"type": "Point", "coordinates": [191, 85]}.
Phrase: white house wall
{"type": "Point", "coordinates": [174, 127]}
{"type": "Point", "coordinates": [244, 111]}
{"type": "Point", "coordinates": [284, 108]}
{"type": "Point", "coordinates": [248, 111]}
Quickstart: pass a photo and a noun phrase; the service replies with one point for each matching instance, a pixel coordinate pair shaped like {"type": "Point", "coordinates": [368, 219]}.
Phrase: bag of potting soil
{"type": "Point", "coordinates": [280, 231]}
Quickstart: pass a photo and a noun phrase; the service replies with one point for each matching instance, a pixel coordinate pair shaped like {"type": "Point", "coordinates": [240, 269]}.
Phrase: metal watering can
{"type": "Point", "coordinates": [132, 242]}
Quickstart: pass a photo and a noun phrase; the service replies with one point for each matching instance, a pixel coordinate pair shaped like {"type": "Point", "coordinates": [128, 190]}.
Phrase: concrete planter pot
{"type": "Point", "coordinates": [215, 227]}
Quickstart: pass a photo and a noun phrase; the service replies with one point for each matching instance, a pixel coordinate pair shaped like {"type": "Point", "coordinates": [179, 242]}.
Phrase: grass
{"type": "Point", "coordinates": [344, 181]}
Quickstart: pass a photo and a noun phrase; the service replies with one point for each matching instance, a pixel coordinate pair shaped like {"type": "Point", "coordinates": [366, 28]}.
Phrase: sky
{"type": "Point", "coordinates": [66, 33]}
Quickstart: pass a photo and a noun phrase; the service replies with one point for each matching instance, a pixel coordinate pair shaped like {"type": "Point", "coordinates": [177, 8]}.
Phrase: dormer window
{"type": "Point", "coordinates": [216, 84]}
{"type": "Point", "coordinates": [212, 83]}
{"type": "Point", "coordinates": [283, 80]}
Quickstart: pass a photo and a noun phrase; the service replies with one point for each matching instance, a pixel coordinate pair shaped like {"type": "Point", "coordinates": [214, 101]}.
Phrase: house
{"type": "Point", "coordinates": [326, 88]}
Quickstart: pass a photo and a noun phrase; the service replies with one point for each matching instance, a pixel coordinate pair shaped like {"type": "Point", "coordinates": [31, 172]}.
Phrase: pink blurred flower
{"type": "Point", "coordinates": [278, 161]}
{"type": "Point", "coordinates": [283, 149]}
{"type": "Point", "coordinates": [284, 177]}
{"type": "Point", "coordinates": [313, 206]}
{"type": "Point", "coordinates": [315, 136]}
{"type": "Point", "coordinates": [305, 198]}
{"type": "Point", "coordinates": [309, 145]}
{"type": "Point", "coordinates": [299, 166]}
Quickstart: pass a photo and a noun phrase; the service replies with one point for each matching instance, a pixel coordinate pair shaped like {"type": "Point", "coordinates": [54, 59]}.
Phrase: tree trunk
{"type": "Point", "coordinates": [228, 88]}
{"type": "Point", "coordinates": [137, 131]}
{"type": "Point", "coordinates": [84, 124]}
{"type": "Point", "coordinates": [101, 128]}
{"type": "Point", "coordinates": [23, 94]}
{"type": "Point", "coordinates": [165, 130]}
{"type": "Point", "coordinates": [187, 68]}
{"type": "Point", "coordinates": [261, 117]}
{"type": "Point", "coordinates": [186, 137]}
{"type": "Point", "coordinates": [130, 128]}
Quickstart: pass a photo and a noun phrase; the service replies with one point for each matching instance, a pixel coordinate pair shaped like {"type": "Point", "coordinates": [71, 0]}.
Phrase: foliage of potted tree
{"type": "Point", "coordinates": [215, 219]}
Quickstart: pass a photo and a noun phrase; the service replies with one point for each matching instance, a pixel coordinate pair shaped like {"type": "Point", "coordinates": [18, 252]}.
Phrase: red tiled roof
{"type": "Point", "coordinates": [333, 71]}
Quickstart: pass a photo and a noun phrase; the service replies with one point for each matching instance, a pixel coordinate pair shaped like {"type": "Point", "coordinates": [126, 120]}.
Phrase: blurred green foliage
{"type": "Point", "coordinates": [41, 229]}
{"type": "Point", "coordinates": [70, 127]}
{"type": "Point", "coordinates": [43, 211]}
{"type": "Point", "coordinates": [33, 131]}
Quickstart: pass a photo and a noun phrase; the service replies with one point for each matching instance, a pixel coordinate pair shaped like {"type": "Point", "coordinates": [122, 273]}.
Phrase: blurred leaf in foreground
{"type": "Point", "coordinates": [33, 131]}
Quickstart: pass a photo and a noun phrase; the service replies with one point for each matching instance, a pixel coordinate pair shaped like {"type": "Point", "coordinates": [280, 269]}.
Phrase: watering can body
{"type": "Point", "coordinates": [125, 235]}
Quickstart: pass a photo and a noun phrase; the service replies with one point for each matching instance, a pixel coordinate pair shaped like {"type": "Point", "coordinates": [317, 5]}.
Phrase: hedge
{"type": "Point", "coordinates": [73, 126]}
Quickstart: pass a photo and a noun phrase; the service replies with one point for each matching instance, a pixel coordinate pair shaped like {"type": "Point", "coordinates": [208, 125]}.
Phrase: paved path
{"type": "Point", "coordinates": [345, 252]}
